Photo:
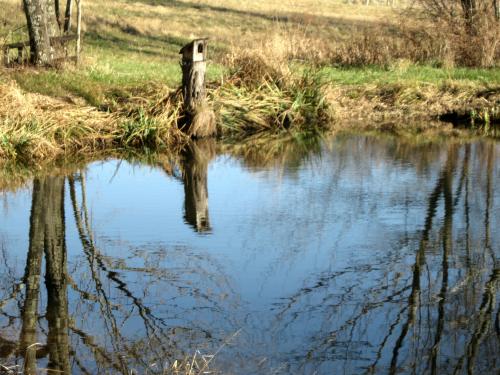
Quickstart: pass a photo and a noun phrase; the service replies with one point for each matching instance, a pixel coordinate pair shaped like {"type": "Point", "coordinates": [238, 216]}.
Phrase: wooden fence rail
{"type": "Point", "coordinates": [58, 41]}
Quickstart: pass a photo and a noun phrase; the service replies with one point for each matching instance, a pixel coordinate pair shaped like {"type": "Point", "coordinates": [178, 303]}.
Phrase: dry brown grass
{"type": "Point", "coordinates": [39, 126]}
{"type": "Point", "coordinates": [265, 95]}
{"type": "Point", "coordinates": [373, 106]}
{"type": "Point", "coordinates": [35, 127]}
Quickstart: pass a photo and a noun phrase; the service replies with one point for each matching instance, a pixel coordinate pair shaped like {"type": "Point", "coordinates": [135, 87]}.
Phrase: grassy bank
{"type": "Point", "coordinates": [37, 126]}
{"type": "Point", "coordinates": [274, 66]}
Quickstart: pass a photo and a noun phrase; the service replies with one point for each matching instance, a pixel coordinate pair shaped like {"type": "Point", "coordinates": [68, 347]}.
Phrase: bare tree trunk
{"type": "Point", "coordinates": [58, 13]}
{"type": "Point", "coordinates": [78, 29]}
{"type": "Point", "coordinates": [469, 7]}
{"type": "Point", "coordinates": [40, 17]}
{"type": "Point", "coordinates": [50, 12]}
{"type": "Point", "coordinates": [67, 16]}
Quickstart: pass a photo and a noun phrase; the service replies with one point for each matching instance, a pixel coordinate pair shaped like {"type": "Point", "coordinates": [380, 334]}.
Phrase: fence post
{"type": "Point", "coordinates": [6, 57]}
{"type": "Point", "coordinates": [78, 30]}
{"type": "Point", "coordinates": [200, 118]}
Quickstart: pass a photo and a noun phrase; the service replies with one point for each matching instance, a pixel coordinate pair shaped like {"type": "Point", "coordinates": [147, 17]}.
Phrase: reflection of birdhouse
{"type": "Point", "coordinates": [195, 51]}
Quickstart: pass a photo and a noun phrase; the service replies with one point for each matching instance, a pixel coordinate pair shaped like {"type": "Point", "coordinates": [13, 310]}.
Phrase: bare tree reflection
{"type": "Point", "coordinates": [46, 236]}
{"type": "Point", "coordinates": [430, 319]}
{"type": "Point", "coordinates": [163, 342]}
{"type": "Point", "coordinates": [104, 300]}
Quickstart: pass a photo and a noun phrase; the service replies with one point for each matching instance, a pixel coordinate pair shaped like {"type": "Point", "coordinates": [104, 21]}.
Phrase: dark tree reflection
{"type": "Point", "coordinates": [362, 255]}
{"type": "Point", "coordinates": [47, 237]}
{"type": "Point", "coordinates": [439, 316]}
{"type": "Point", "coordinates": [76, 322]}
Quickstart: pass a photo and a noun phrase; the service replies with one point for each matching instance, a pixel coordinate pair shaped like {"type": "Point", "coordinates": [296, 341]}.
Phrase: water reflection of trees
{"type": "Point", "coordinates": [425, 305]}
{"type": "Point", "coordinates": [97, 317]}
{"type": "Point", "coordinates": [46, 238]}
{"type": "Point", "coordinates": [440, 316]}
{"type": "Point", "coordinates": [278, 151]}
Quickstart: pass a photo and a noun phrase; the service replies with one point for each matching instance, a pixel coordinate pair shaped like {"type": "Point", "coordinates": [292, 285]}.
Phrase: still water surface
{"type": "Point", "coordinates": [351, 255]}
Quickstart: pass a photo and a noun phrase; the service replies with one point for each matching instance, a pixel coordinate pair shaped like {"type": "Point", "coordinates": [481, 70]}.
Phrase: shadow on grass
{"type": "Point", "coordinates": [289, 17]}
{"type": "Point", "coordinates": [130, 39]}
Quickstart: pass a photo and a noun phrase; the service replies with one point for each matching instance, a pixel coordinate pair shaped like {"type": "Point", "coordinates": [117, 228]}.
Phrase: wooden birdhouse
{"type": "Point", "coordinates": [196, 51]}
{"type": "Point", "coordinates": [199, 117]}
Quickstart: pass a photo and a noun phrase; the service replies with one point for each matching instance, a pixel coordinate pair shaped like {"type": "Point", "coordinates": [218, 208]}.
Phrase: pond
{"type": "Point", "coordinates": [349, 254]}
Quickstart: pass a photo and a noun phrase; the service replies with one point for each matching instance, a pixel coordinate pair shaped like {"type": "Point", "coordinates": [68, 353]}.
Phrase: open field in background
{"type": "Point", "coordinates": [128, 43]}
{"type": "Point", "coordinates": [373, 63]}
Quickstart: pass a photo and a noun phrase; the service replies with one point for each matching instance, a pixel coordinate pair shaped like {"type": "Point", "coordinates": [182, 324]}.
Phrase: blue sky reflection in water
{"type": "Point", "coordinates": [363, 255]}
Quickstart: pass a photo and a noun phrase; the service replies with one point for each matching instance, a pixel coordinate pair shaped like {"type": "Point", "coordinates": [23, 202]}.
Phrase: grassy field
{"type": "Point", "coordinates": [358, 55]}
{"type": "Point", "coordinates": [131, 43]}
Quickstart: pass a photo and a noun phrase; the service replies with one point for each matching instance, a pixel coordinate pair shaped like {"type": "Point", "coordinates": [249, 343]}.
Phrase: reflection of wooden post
{"type": "Point", "coordinates": [200, 118]}
{"type": "Point", "coordinates": [196, 158]}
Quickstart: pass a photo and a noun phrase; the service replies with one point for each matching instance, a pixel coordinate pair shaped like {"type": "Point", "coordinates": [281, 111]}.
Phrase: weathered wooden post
{"type": "Point", "coordinates": [200, 117]}
{"type": "Point", "coordinates": [20, 51]}
{"type": "Point", "coordinates": [78, 29]}
{"type": "Point", "coordinates": [6, 57]}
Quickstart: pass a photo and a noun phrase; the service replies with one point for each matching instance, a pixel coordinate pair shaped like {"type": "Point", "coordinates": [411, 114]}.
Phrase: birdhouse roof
{"type": "Point", "coordinates": [189, 46]}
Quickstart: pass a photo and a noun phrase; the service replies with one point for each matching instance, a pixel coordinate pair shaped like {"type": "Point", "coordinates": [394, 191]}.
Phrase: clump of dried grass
{"type": "Point", "coordinates": [151, 118]}
{"type": "Point", "coordinates": [273, 107]}
{"type": "Point", "coordinates": [373, 105]}
{"type": "Point", "coordinates": [261, 61]}
{"type": "Point", "coordinates": [35, 127]}
{"type": "Point", "coordinates": [264, 93]}
{"type": "Point", "coordinates": [203, 123]}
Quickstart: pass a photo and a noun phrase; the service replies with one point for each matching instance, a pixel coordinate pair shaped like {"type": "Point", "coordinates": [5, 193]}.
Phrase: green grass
{"type": "Point", "coordinates": [131, 44]}
{"type": "Point", "coordinates": [410, 74]}
{"type": "Point", "coordinates": [115, 74]}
